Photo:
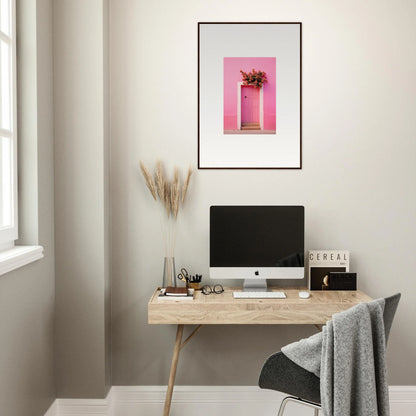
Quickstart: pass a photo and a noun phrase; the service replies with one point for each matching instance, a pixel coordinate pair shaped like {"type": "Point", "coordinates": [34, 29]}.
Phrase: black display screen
{"type": "Point", "coordinates": [257, 236]}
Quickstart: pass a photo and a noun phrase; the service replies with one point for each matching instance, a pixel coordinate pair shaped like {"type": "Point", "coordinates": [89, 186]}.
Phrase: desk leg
{"type": "Point", "coordinates": [173, 367]}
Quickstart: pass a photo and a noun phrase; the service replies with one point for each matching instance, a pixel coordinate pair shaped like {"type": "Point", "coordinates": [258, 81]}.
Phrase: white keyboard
{"type": "Point", "coordinates": [259, 295]}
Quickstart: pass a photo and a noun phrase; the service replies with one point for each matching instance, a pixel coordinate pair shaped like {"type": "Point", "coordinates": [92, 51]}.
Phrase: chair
{"type": "Point", "coordinates": [282, 374]}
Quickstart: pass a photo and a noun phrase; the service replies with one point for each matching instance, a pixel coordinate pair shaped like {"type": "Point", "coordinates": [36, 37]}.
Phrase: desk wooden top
{"type": "Point", "coordinates": [224, 309]}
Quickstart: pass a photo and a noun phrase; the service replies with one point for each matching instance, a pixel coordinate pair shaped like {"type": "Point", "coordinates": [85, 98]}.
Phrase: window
{"type": "Point", "coordinates": [8, 145]}
{"type": "Point", "coordinates": [11, 256]}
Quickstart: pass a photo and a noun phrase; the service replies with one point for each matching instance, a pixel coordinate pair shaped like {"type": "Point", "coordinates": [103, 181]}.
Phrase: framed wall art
{"type": "Point", "coordinates": [249, 95]}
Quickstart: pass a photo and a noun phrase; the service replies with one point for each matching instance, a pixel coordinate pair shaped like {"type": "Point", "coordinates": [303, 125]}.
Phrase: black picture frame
{"type": "Point", "coordinates": [206, 166]}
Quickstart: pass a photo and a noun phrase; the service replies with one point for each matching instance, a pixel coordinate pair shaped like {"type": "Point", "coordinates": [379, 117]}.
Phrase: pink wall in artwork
{"type": "Point", "coordinates": [232, 77]}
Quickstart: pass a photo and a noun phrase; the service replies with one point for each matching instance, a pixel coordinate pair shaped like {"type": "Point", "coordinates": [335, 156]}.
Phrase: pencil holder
{"type": "Point", "coordinates": [194, 285]}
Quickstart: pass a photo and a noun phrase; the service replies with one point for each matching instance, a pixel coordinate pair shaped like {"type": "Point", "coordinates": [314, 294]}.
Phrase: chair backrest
{"type": "Point", "coordinates": [389, 311]}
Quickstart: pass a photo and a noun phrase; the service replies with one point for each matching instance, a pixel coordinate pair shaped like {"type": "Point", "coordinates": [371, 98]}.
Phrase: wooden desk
{"type": "Point", "coordinates": [224, 309]}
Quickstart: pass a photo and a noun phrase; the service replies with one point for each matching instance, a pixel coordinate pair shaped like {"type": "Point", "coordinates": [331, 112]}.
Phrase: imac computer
{"type": "Point", "coordinates": [256, 243]}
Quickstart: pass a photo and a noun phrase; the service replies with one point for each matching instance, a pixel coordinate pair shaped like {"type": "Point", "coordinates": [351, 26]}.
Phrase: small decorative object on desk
{"type": "Point", "coordinates": [169, 271]}
{"type": "Point", "coordinates": [216, 289]}
{"type": "Point", "coordinates": [322, 263]}
{"type": "Point", "coordinates": [194, 281]}
{"type": "Point", "coordinates": [342, 281]}
{"type": "Point", "coordinates": [190, 281]}
{"type": "Point", "coordinates": [176, 293]}
{"type": "Point", "coordinates": [184, 276]}
{"type": "Point", "coordinates": [171, 196]}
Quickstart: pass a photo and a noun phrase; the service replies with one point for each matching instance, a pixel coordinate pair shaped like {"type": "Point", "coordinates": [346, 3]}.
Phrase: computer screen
{"type": "Point", "coordinates": [257, 242]}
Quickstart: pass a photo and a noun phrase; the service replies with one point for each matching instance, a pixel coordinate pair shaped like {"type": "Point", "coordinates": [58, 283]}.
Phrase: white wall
{"type": "Point", "coordinates": [357, 181]}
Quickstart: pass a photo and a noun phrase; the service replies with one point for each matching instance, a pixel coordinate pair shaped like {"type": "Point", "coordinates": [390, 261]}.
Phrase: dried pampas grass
{"type": "Point", "coordinates": [160, 181]}
{"type": "Point", "coordinates": [166, 199]}
{"type": "Point", "coordinates": [171, 195]}
{"type": "Point", "coordinates": [149, 181]}
{"type": "Point", "coordinates": [186, 184]}
{"type": "Point", "coordinates": [175, 194]}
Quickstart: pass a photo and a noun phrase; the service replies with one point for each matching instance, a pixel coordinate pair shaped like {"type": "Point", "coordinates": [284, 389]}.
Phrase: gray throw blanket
{"type": "Point", "coordinates": [349, 357]}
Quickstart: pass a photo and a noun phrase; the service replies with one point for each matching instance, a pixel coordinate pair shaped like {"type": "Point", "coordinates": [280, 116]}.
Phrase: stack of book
{"type": "Point", "coordinates": [176, 293]}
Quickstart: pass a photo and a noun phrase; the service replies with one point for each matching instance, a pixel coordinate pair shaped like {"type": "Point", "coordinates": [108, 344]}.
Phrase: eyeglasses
{"type": "Point", "coordinates": [217, 289]}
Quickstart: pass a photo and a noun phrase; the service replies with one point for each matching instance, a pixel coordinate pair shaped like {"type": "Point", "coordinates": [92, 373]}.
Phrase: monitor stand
{"type": "Point", "coordinates": [255, 285]}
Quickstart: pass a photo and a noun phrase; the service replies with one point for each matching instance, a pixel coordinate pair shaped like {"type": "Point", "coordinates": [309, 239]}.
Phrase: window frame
{"type": "Point", "coordinates": [14, 256]}
{"type": "Point", "coordinates": [9, 234]}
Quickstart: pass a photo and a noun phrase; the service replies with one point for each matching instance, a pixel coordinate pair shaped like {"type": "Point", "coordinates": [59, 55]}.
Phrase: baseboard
{"type": "Point", "coordinates": [204, 401]}
{"type": "Point", "coordinates": [196, 400]}
{"type": "Point", "coordinates": [402, 400]}
{"type": "Point", "coordinates": [53, 409]}
{"type": "Point", "coordinates": [85, 407]}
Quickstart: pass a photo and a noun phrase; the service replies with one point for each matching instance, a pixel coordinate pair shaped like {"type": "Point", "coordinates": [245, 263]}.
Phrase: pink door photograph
{"type": "Point", "coordinates": [250, 95]}
{"type": "Point", "coordinates": [250, 108]}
